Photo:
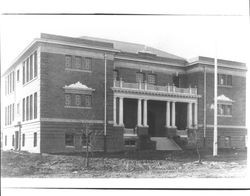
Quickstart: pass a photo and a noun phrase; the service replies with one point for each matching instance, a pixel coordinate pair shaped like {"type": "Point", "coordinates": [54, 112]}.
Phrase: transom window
{"type": "Point", "coordinates": [151, 78]}
{"type": "Point", "coordinates": [224, 80]}
{"type": "Point", "coordinates": [224, 110]}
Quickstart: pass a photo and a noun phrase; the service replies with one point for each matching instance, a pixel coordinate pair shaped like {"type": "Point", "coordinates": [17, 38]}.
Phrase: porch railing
{"type": "Point", "coordinates": [151, 87]}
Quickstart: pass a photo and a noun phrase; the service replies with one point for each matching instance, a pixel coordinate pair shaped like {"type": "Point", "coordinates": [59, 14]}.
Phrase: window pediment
{"type": "Point", "coordinates": [78, 87]}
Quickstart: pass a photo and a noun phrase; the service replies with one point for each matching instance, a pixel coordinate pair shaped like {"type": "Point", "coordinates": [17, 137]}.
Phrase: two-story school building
{"type": "Point", "coordinates": [127, 94]}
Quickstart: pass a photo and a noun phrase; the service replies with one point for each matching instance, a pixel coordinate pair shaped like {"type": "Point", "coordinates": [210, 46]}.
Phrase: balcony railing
{"type": "Point", "coordinates": [150, 87]}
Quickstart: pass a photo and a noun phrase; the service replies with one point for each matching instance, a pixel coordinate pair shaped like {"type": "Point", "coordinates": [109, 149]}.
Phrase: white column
{"type": "Point", "coordinates": [167, 114]}
{"type": "Point", "coordinates": [189, 120]}
{"type": "Point", "coordinates": [195, 115]}
{"type": "Point", "coordinates": [173, 114]}
{"type": "Point", "coordinates": [145, 113]}
{"type": "Point", "coordinates": [121, 111]}
{"type": "Point", "coordinates": [114, 111]}
{"type": "Point", "coordinates": [139, 113]}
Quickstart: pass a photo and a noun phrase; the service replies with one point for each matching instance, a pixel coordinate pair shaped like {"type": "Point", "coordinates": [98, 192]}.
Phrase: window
{"type": "Point", "coordinates": [151, 78]}
{"type": "Point", "coordinates": [88, 100]}
{"type": "Point", "coordinates": [13, 140]}
{"type": "Point", "coordinates": [68, 61]}
{"type": "Point", "coordinates": [67, 99]}
{"type": "Point", "coordinates": [224, 110]}
{"type": "Point", "coordinates": [13, 112]}
{"type": "Point", "coordinates": [78, 100]}
{"type": "Point", "coordinates": [88, 63]}
{"type": "Point", "coordinates": [116, 74]}
{"type": "Point", "coordinates": [224, 80]}
{"type": "Point", "coordinates": [23, 109]}
{"type": "Point", "coordinates": [5, 140]}
{"type": "Point", "coordinates": [10, 83]}
{"type": "Point", "coordinates": [31, 107]}
{"type": "Point", "coordinates": [35, 139]}
{"type": "Point", "coordinates": [78, 62]}
{"type": "Point", "coordinates": [27, 70]}
{"type": "Point", "coordinates": [35, 64]}
{"type": "Point", "coordinates": [17, 75]}
{"type": "Point", "coordinates": [27, 108]}
{"type": "Point", "coordinates": [23, 72]}
{"type": "Point", "coordinates": [69, 139]}
{"type": "Point", "coordinates": [139, 77]}
{"type": "Point", "coordinates": [23, 140]}
{"type": "Point", "coordinates": [31, 66]}
{"type": "Point", "coordinates": [84, 140]}
{"type": "Point", "coordinates": [6, 116]}
{"type": "Point", "coordinates": [227, 142]}
{"type": "Point", "coordinates": [35, 105]}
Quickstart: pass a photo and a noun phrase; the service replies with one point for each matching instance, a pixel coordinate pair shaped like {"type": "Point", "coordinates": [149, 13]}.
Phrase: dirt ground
{"type": "Point", "coordinates": [148, 164]}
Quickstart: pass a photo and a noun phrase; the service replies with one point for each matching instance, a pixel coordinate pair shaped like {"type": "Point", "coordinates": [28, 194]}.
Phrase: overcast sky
{"type": "Point", "coordinates": [185, 36]}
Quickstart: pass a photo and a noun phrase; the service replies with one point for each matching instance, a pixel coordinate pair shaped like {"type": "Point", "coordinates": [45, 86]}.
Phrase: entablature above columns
{"type": "Point", "coordinates": [158, 97]}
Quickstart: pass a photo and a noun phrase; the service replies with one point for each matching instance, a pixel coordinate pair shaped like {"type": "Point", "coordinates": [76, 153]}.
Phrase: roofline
{"type": "Point", "coordinates": [42, 40]}
{"type": "Point", "coordinates": [197, 60]}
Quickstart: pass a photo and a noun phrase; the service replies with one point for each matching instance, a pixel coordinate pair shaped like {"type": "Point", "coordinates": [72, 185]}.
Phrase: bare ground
{"type": "Point", "coordinates": [148, 164]}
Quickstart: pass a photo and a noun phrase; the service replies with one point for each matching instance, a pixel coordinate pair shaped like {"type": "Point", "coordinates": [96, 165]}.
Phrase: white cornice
{"type": "Point", "coordinates": [161, 96]}
{"type": "Point", "coordinates": [40, 40]}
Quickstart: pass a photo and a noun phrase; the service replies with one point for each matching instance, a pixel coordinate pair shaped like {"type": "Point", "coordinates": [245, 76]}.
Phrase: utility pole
{"type": "Point", "coordinates": [215, 144]}
{"type": "Point", "coordinates": [105, 102]}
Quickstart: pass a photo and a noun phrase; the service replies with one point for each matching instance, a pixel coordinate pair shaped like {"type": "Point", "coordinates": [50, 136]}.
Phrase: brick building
{"type": "Point", "coordinates": [55, 89]}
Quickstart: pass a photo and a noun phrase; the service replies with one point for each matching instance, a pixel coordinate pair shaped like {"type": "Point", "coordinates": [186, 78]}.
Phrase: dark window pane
{"type": "Point", "coordinates": [23, 109]}
{"type": "Point", "coordinates": [31, 107]}
{"type": "Point", "coordinates": [69, 139]}
{"type": "Point", "coordinates": [35, 105]}
{"type": "Point", "coordinates": [35, 64]}
{"type": "Point", "coordinates": [31, 67]}
{"type": "Point", "coordinates": [27, 108]}
{"type": "Point", "coordinates": [23, 140]}
{"type": "Point", "coordinates": [23, 73]}
{"type": "Point", "coordinates": [35, 139]}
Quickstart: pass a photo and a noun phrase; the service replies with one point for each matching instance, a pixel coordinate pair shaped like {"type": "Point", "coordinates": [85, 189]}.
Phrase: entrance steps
{"type": "Point", "coordinates": [164, 143]}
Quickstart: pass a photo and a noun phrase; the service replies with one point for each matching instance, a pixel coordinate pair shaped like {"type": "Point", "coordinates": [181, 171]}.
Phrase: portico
{"type": "Point", "coordinates": [143, 98]}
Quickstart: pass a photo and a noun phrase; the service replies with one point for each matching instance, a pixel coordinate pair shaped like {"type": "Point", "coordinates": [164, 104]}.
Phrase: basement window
{"type": "Point", "coordinates": [129, 143]}
{"type": "Point", "coordinates": [69, 139]}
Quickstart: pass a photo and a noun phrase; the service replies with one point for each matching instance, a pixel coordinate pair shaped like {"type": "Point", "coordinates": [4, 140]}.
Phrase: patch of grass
{"type": "Point", "coordinates": [130, 164]}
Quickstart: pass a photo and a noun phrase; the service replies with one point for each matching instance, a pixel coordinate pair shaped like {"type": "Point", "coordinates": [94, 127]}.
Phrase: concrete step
{"type": "Point", "coordinates": [164, 143]}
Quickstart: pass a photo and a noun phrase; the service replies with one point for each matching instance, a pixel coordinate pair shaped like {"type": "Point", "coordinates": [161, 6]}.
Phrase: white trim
{"type": "Point", "coordinates": [225, 126]}
{"type": "Point", "coordinates": [161, 97]}
{"type": "Point", "coordinates": [227, 116]}
{"type": "Point", "coordinates": [77, 107]}
{"type": "Point", "coordinates": [78, 70]}
{"type": "Point", "coordinates": [70, 120]}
